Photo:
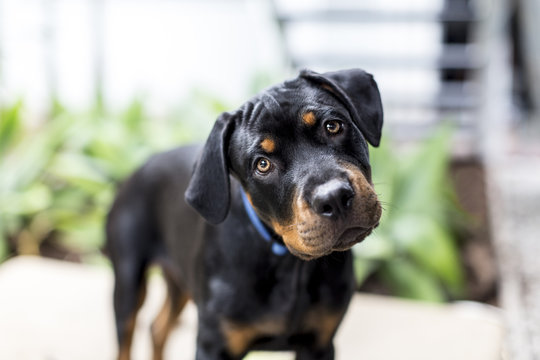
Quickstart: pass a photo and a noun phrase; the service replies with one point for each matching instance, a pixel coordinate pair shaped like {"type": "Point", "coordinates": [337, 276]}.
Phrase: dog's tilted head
{"type": "Point", "coordinates": [299, 150]}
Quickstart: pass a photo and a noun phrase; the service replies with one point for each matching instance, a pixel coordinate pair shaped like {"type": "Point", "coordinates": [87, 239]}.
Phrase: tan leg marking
{"type": "Point", "coordinates": [239, 337]}
{"type": "Point", "coordinates": [165, 322]}
{"type": "Point", "coordinates": [324, 323]}
{"type": "Point", "coordinates": [124, 352]}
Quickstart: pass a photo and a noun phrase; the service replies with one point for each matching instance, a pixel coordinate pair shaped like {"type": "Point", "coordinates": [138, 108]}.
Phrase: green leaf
{"type": "Point", "coordinates": [70, 199]}
{"type": "Point", "coordinates": [409, 281]}
{"type": "Point", "coordinates": [79, 171]}
{"type": "Point", "coordinates": [116, 160]}
{"type": "Point", "coordinates": [26, 162]}
{"type": "Point", "coordinates": [432, 248]}
{"type": "Point", "coordinates": [135, 117]}
{"type": "Point", "coordinates": [421, 182]}
{"type": "Point", "coordinates": [10, 125]}
{"type": "Point", "coordinates": [81, 231]}
{"type": "Point", "coordinates": [30, 201]}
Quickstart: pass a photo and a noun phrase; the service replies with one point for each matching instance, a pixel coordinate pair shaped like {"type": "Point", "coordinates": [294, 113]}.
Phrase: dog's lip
{"type": "Point", "coordinates": [345, 241]}
{"type": "Point", "coordinates": [352, 236]}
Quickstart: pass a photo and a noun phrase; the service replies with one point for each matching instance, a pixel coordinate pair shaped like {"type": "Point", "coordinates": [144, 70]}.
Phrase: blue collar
{"type": "Point", "coordinates": [277, 249]}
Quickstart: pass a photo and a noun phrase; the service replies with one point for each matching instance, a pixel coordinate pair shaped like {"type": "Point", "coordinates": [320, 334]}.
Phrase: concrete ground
{"type": "Point", "coordinates": [514, 194]}
{"type": "Point", "coordinates": [57, 310]}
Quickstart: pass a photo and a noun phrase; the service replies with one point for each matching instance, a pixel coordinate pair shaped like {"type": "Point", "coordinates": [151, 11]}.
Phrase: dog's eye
{"type": "Point", "coordinates": [263, 165]}
{"type": "Point", "coordinates": [333, 127]}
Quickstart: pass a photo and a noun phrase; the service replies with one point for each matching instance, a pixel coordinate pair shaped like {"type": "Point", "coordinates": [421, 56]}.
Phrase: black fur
{"type": "Point", "coordinates": [316, 199]}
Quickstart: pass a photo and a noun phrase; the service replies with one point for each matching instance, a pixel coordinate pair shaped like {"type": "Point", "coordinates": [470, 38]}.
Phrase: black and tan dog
{"type": "Point", "coordinates": [279, 193]}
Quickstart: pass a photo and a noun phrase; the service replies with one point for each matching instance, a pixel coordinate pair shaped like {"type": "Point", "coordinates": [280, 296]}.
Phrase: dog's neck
{"type": "Point", "coordinates": [264, 232]}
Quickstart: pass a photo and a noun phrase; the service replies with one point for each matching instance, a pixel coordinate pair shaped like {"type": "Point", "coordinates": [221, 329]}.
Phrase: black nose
{"type": "Point", "coordinates": [332, 199]}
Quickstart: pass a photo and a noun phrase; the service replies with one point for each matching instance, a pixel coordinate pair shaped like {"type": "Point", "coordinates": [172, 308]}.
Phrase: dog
{"type": "Point", "coordinates": [278, 195]}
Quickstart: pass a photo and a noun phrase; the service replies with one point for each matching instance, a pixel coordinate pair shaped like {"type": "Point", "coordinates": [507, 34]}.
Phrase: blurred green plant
{"type": "Point", "coordinates": [58, 180]}
{"type": "Point", "coordinates": [414, 250]}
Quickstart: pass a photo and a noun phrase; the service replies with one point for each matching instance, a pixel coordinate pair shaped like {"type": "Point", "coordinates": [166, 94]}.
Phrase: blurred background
{"type": "Point", "coordinates": [90, 88]}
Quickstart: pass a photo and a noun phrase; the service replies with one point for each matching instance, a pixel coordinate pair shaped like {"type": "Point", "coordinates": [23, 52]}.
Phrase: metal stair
{"type": "Point", "coordinates": [438, 79]}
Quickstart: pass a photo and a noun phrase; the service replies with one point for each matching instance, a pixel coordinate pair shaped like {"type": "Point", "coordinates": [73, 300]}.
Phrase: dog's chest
{"type": "Point", "coordinates": [303, 303]}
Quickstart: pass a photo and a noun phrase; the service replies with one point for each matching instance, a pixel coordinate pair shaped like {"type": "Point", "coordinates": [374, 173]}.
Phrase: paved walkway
{"type": "Point", "coordinates": [62, 311]}
{"type": "Point", "coordinates": [515, 213]}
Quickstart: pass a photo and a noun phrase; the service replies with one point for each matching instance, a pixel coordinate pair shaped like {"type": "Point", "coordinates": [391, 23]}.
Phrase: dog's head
{"type": "Point", "coordinates": [299, 150]}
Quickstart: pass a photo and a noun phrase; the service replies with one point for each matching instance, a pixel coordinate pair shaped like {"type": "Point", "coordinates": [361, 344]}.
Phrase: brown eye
{"type": "Point", "coordinates": [263, 165]}
{"type": "Point", "coordinates": [333, 127]}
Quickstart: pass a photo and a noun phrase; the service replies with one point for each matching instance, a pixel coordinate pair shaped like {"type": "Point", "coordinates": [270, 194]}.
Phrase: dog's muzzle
{"type": "Point", "coordinates": [332, 216]}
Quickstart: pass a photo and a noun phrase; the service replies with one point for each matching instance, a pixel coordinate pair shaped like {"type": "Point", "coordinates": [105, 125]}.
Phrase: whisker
{"type": "Point", "coordinates": [390, 206]}
{"type": "Point", "coordinates": [375, 232]}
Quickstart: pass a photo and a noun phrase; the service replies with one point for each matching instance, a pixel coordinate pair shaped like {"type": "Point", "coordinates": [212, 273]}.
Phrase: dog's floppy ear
{"type": "Point", "coordinates": [208, 191]}
{"type": "Point", "coordinates": [359, 93]}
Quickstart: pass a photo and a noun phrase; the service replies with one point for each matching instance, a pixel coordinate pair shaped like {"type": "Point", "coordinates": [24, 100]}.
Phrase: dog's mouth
{"type": "Point", "coordinates": [348, 238]}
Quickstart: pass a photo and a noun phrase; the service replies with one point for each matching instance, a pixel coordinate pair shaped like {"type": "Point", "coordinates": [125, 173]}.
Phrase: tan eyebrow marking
{"type": "Point", "coordinates": [268, 145]}
{"type": "Point", "coordinates": [309, 118]}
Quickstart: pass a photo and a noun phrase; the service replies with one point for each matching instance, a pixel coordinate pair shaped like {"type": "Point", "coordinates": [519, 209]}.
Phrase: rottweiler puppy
{"type": "Point", "coordinates": [278, 195]}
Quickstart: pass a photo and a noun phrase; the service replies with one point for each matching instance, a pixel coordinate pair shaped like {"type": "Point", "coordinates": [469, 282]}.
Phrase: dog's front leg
{"type": "Point", "coordinates": [208, 349]}
{"type": "Point", "coordinates": [326, 353]}
{"type": "Point", "coordinates": [212, 344]}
